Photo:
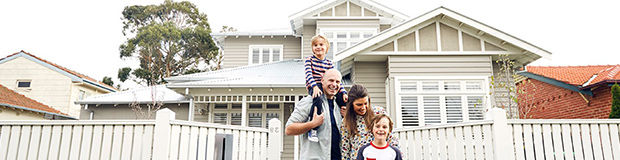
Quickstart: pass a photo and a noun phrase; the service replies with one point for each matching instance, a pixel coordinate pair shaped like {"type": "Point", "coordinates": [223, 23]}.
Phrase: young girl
{"type": "Point", "coordinates": [355, 131]}
{"type": "Point", "coordinates": [379, 149]}
{"type": "Point", "coordinates": [315, 67]}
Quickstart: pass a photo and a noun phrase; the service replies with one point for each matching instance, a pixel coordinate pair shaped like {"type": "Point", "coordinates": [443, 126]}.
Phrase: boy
{"type": "Point", "coordinates": [315, 67]}
{"type": "Point", "coordinates": [380, 148]}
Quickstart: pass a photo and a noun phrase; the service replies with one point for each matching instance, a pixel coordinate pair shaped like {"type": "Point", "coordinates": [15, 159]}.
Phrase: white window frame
{"type": "Point", "coordinates": [260, 54]}
{"type": "Point", "coordinates": [441, 93]}
{"type": "Point", "coordinates": [334, 40]}
{"type": "Point", "coordinates": [23, 80]}
{"type": "Point", "coordinates": [263, 111]}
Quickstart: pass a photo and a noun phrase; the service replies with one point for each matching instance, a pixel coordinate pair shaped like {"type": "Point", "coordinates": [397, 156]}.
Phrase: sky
{"type": "Point", "coordinates": [84, 36]}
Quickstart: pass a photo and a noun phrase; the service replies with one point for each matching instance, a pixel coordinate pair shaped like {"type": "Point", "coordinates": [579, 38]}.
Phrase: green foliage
{"type": "Point", "coordinates": [168, 39]}
{"type": "Point", "coordinates": [108, 80]}
{"type": "Point", "coordinates": [615, 101]}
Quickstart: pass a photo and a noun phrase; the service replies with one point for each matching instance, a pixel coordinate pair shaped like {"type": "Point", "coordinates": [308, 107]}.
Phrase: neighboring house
{"type": "Point", "coordinates": [567, 92]}
{"type": "Point", "coordinates": [123, 104]}
{"type": "Point", "coordinates": [48, 83]}
{"type": "Point", "coordinates": [15, 106]}
{"type": "Point", "coordinates": [431, 69]}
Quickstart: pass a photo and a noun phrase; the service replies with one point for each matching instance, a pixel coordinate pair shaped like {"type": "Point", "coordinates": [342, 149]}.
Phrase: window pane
{"type": "Point", "coordinates": [236, 106]}
{"type": "Point", "coordinates": [328, 35]}
{"type": "Point", "coordinates": [355, 35]}
{"type": "Point", "coordinates": [23, 84]}
{"type": "Point", "coordinates": [330, 51]}
{"type": "Point", "coordinates": [453, 109]}
{"type": "Point", "coordinates": [273, 106]}
{"type": "Point", "coordinates": [270, 116]}
{"type": "Point", "coordinates": [235, 118]}
{"type": "Point", "coordinates": [475, 107]}
{"type": "Point", "coordinates": [265, 55]}
{"type": "Point", "coordinates": [255, 54]}
{"type": "Point", "coordinates": [221, 106]}
{"type": "Point", "coordinates": [276, 55]}
{"type": "Point", "coordinates": [410, 111]}
{"type": "Point", "coordinates": [432, 114]}
{"type": "Point", "coordinates": [408, 86]}
{"type": "Point", "coordinates": [452, 86]}
{"type": "Point", "coordinates": [341, 46]}
{"type": "Point", "coordinates": [255, 120]}
{"type": "Point", "coordinates": [256, 106]}
{"type": "Point", "coordinates": [341, 35]}
{"type": "Point", "coordinates": [367, 34]}
{"type": "Point", "coordinates": [219, 118]}
{"type": "Point", "coordinates": [430, 86]}
{"type": "Point", "coordinates": [476, 85]}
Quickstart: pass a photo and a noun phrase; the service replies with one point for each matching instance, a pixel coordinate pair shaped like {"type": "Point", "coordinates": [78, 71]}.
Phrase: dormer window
{"type": "Point", "coordinates": [260, 54]}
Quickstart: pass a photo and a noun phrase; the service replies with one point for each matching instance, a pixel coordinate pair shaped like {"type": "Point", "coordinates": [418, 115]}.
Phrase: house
{"type": "Point", "coordinates": [567, 92]}
{"type": "Point", "coordinates": [15, 106]}
{"type": "Point", "coordinates": [430, 69]}
{"type": "Point", "coordinates": [48, 83]}
{"type": "Point", "coordinates": [123, 104]}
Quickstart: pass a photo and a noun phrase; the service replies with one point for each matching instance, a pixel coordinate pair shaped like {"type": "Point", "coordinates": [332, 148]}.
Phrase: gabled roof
{"type": "Point", "coordinates": [578, 75]}
{"type": "Point", "coordinates": [288, 73]}
{"type": "Point", "coordinates": [355, 49]}
{"type": "Point", "coordinates": [148, 94]}
{"type": "Point", "coordinates": [10, 98]}
{"type": "Point", "coordinates": [296, 18]}
{"type": "Point", "coordinates": [75, 76]}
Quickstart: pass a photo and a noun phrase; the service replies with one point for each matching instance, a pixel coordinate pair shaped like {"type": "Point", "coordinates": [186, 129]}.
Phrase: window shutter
{"type": "Point", "coordinates": [454, 112]}
{"type": "Point", "coordinates": [235, 118]}
{"type": "Point", "coordinates": [219, 118]}
{"type": "Point", "coordinates": [475, 107]}
{"type": "Point", "coordinates": [410, 111]}
{"type": "Point", "coordinates": [255, 120]}
{"type": "Point", "coordinates": [432, 110]}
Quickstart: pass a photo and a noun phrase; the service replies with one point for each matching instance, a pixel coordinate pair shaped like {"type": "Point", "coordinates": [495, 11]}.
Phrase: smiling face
{"type": "Point", "coordinates": [331, 83]}
{"type": "Point", "coordinates": [360, 105]}
{"type": "Point", "coordinates": [381, 129]}
{"type": "Point", "coordinates": [320, 47]}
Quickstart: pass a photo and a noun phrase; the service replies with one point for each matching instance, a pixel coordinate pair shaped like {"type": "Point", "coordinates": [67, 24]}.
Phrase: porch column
{"type": "Point", "coordinates": [244, 111]}
{"type": "Point", "coordinates": [296, 142]}
{"type": "Point", "coordinates": [190, 116]}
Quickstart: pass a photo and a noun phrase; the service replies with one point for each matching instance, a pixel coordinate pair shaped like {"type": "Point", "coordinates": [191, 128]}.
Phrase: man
{"type": "Point", "coordinates": [328, 122]}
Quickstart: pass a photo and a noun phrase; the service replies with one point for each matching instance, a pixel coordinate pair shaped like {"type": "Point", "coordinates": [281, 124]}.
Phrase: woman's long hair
{"type": "Point", "coordinates": [357, 91]}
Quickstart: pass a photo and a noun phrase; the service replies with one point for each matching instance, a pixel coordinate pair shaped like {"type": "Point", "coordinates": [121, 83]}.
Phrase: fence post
{"type": "Point", "coordinates": [161, 137]}
{"type": "Point", "coordinates": [275, 139]}
{"type": "Point", "coordinates": [503, 146]}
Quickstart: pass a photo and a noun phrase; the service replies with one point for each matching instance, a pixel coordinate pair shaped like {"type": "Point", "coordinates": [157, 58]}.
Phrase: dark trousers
{"type": "Point", "coordinates": [317, 102]}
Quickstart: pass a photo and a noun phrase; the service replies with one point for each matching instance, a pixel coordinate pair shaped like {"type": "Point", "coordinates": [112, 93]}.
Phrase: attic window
{"type": "Point", "coordinates": [260, 54]}
{"type": "Point", "coordinates": [23, 83]}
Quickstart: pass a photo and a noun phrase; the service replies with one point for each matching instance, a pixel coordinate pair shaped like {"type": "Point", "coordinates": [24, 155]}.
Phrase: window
{"type": "Point", "coordinates": [23, 83]}
{"type": "Point", "coordinates": [439, 100]}
{"type": "Point", "coordinates": [260, 54]}
{"type": "Point", "coordinates": [220, 118]}
{"type": "Point", "coordinates": [341, 39]}
{"type": "Point", "coordinates": [255, 120]}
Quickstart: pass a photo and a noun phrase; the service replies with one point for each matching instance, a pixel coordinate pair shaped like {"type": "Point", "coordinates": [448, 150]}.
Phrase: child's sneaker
{"type": "Point", "coordinates": [313, 136]}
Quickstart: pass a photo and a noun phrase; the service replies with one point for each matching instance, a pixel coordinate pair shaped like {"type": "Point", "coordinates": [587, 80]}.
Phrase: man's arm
{"type": "Point", "coordinates": [297, 124]}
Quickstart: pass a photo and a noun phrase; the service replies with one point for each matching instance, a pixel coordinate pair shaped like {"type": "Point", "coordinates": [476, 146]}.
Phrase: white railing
{"type": "Point", "coordinates": [499, 138]}
{"type": "Point", "coordinates": [162, 138]}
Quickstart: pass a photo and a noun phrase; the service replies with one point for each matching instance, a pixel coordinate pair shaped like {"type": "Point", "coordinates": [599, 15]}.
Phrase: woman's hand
{"type": "Point", "coordinates": [316, 92]}
{"type": "Point", "coordinates": [345, 97]}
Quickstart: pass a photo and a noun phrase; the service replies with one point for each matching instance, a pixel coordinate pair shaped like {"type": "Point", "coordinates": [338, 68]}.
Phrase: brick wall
{"type": "Point", "coordinates": [546, 101]}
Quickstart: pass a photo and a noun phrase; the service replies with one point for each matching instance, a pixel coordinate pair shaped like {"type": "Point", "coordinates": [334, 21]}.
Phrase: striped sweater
{"type": "Point", "coordinates": [315, 68]}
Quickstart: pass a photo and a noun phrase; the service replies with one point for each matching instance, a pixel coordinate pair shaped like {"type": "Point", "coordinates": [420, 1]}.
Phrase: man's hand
{"type": "Point", "coordinates": [345, 97]}
{"type": "Point", "coordinates": [317, 120]}
{"type": "Point", "coordinates": [316, 92]}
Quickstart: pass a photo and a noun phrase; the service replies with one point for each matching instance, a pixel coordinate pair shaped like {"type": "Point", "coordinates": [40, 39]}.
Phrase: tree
{"type": "Point", "coordinates": [108, 80]}
{"type": "Point", "coordinates": [615, 101]}
{"type": "Point", "coordinates": [503, 88]}
{"type": "Point", "coordinates": [168, 39]}
{"type": "Point", "coordinates": [217, 61]}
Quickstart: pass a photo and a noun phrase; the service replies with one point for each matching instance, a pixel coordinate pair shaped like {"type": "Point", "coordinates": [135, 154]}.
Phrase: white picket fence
{"type": "Point", "coordinates": [162, 138]}
{"type": "Point", "coordinates": [499, 138]}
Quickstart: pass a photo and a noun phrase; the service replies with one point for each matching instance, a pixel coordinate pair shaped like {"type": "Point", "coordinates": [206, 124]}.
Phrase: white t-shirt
{"type": "Point", "coordinates": [372, 152]}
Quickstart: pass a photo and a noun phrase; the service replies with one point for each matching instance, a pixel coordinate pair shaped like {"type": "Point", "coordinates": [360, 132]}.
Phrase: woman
{"type": "Point", "coordinates": [354, 130]}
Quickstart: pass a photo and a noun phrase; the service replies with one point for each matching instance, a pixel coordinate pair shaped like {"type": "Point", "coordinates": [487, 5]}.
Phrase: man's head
{"type": "Point", "coordinates": [331, 83]}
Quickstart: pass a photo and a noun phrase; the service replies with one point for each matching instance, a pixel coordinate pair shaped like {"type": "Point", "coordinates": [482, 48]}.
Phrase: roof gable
{"type": "Point", "coordinates": [533, 52]}
{"type": "Point", "coordinates": [329, 6]}
{"type": "Point", "coordinates": [75, 76]}
{"type": "Point", "coordinates": [13, 99]}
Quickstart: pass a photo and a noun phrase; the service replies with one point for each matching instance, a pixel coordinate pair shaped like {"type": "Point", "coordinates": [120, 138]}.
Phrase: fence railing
{"type": "Point", "coordinates": [499, 138]}
{"type": "Point", "coordinates": [162, 138]}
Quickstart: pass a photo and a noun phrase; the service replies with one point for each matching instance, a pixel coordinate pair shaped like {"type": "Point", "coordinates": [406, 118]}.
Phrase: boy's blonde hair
{"type": "Point", "coordinates": [316, 38]}
{"type": "Point", "coordinates": [379, 117]}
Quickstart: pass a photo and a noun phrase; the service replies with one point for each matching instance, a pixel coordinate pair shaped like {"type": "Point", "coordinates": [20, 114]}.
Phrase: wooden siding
{"type": "Point", "coordinates": [307, 34]}
{"type": "Point", "coordinates": [236, 49]}
{"type": "Point", "coordinates": [372, 75]}
{"type": "Point", "coordinates": [349, 23]}
{"type": "Point", "coordinates": [439, 66]}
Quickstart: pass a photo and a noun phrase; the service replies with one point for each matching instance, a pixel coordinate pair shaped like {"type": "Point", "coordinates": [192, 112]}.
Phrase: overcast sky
{"type": "Point", "coordinates": [84, 35]}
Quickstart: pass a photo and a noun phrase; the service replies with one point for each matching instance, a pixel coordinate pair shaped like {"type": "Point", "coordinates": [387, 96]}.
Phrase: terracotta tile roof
{"type": "Point", "coordinates": [64, 69]}
{"type": "Point", "coordinates": [8, 96]}
{"type": "Point", "coordinates": [578, 75]}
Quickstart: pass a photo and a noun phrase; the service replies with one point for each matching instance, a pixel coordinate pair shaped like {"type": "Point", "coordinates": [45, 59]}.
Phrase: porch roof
{"type": "Point", "coordinates": [288, 73]}
{"type": "Point", "coordinates": [147, 94]}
